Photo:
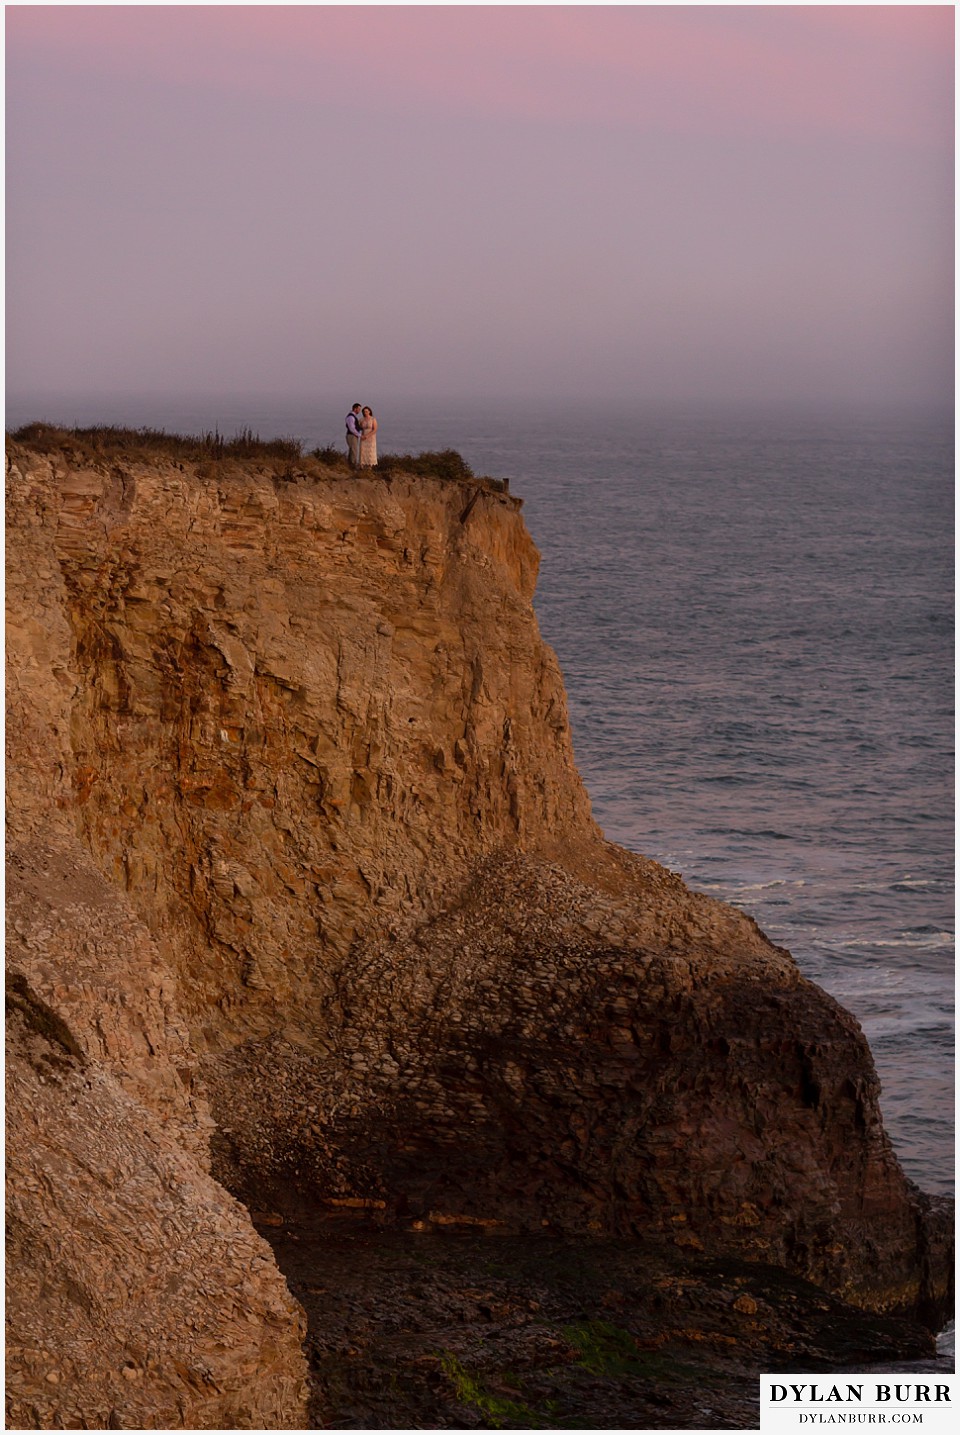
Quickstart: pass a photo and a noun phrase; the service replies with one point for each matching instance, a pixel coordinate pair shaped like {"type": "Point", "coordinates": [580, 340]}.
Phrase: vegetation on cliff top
{"type": "Point", "coordinates": [285, 457]}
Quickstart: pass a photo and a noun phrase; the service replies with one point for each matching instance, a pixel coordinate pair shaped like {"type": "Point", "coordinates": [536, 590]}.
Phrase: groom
{"type": "Point", "coordinates": [353, 436]}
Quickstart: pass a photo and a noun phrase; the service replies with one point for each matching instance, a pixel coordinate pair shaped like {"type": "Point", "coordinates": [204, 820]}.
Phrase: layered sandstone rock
{"type": "Point", "coordinates": [138, 1294]}
{"type": "Point", "coordinates": [312, 756]}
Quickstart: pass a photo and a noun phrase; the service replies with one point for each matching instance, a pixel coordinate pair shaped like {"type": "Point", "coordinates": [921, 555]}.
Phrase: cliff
{"type": "Point", "coordinates": [306, 904]}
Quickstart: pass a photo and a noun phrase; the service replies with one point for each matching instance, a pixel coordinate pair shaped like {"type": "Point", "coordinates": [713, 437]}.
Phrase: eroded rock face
{"type": "Point", "coordinates": [300, 712]}
{"type": "Point", "coordinates": [312, 756]}
{"type": "Point", "coordinates": [138, 1294]}
{"type": "Point", "coordinates": [548, 1054]}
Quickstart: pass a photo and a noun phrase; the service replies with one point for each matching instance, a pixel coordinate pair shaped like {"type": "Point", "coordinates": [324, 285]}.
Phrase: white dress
{"type": "Point", "coordinates": [368, 443]}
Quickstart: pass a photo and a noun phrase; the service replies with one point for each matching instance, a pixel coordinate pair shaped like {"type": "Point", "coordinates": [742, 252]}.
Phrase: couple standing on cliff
{"type": "Point", "coordinates": [361, 437]}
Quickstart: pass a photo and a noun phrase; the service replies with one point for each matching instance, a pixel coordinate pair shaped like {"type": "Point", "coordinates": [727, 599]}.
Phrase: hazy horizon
{"type": "Point", "coordinates": [91, 408]}
{"type": "Point", "coordinates": [494, 436]}
{"type": "Point", "coordinates": [669, 205]}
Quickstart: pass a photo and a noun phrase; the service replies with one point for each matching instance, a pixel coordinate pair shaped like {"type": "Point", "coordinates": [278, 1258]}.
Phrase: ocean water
{"type": "Point", "coordinates": [754, 619]}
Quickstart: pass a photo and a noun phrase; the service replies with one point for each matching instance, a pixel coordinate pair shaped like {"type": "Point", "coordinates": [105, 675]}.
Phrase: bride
{"type": "Point", "coordinates": [368, 438]}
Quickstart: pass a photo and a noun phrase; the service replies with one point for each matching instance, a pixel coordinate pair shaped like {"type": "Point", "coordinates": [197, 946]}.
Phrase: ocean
{"type": "Point", "coordinates": [753, 615]}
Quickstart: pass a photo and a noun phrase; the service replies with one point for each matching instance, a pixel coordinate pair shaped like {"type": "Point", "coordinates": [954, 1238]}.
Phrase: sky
{"type": "Point", "coordinates": [701, 204]}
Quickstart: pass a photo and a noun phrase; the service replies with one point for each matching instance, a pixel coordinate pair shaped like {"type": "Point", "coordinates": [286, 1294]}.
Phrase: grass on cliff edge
{"type": "Point", "coordinates": [285, 456]}
{"type": "Point", "coordinates": [105, 441]}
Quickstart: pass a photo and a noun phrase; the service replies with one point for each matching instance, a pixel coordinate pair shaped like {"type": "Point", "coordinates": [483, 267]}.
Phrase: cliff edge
{"type": "Point", "coordinates": [306, 904]}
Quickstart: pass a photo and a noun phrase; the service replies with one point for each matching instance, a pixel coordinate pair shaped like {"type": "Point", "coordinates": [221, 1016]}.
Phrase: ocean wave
{"type": "Point", "coordinates": [743, 889]}
{"type": "Point", "coordinates": [903, 939]}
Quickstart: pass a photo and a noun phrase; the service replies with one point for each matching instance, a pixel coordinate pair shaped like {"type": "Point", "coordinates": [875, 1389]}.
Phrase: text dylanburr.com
{"type": "Point", "coordinates": [926, 1403]}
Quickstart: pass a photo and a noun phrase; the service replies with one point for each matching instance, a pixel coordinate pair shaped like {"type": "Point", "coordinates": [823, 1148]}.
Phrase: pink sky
{"type": "Point", "coordinates": [793, 69]}
{"type": "Point", "coordinates": [763, 172]}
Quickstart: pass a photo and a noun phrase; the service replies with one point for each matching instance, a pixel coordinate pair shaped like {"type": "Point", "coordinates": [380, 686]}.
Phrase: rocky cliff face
{"type": "Point", "coordinates": [305, 884]}
{"type": "Point", "coordinates": [138, 1293]}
